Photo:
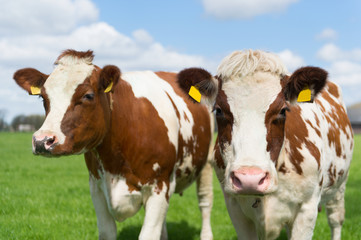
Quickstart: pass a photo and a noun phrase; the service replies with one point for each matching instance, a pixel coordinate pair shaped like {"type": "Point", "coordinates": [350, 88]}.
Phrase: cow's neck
{"type": "Point", "coordinates": [115, 149]}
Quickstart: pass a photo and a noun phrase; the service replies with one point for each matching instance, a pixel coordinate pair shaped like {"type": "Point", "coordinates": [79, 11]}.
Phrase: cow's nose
{"type": "Point", "coordinates": [250, 180]}
{"type": "Point", "coordinates": [43, 144]}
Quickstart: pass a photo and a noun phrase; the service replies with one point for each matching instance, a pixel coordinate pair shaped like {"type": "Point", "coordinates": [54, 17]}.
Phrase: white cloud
{"type": "Point", "coordinates": [330, 52]}
{"type": "Point", "coordinates": [345, 73]}
{"type": "Point", "coordinates": [327, 34]}
{"type": "Point", "coordinates": [291, 60]}
{"type": "Point", "coordinates": [344, 67]}
{"type": "Point", "coordinates": [33, 34]}
{"type": "Point", "coordinates": [243, 9]}
{"type": "Point", "coordinates": [45, 16]}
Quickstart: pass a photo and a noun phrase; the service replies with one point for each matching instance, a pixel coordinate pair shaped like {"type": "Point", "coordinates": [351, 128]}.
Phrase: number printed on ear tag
{"type": "Point", "coordinates": [195, 94]}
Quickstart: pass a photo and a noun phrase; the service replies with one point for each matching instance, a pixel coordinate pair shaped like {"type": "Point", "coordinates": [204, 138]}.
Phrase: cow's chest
{"type": "Point", "coordinates": [120, 200]}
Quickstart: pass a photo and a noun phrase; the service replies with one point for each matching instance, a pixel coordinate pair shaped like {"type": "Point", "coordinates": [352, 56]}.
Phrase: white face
{"type": "Point", "coordinates": [249, 168]}
{"type": "Point", "coordinates": [60, 88]}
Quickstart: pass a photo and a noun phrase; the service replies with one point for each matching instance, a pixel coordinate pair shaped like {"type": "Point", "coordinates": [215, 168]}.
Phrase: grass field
{"type": "Point", "coordinates": [48, 198]}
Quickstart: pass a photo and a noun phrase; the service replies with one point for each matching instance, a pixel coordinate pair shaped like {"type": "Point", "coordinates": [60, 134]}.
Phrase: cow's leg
{"type": "Point", "coordinates": [156, 206]}
{"type": "Point", "coordinates": [205, 200]}
{"type": "Point", "coordinates": [164, 235]}
{"type": "Point", "coordinates": [244, 227]}
{"type": "Point", "coordinates": [105, 221]}
{"type": "Point", "coordinates": [335, 210]}
{"type": "Point", "coordinates": [304, 223]}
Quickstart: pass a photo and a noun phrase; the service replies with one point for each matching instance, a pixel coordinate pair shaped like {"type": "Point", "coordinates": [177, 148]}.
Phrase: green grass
{"type": "Point", "coordinates": [48, 198]}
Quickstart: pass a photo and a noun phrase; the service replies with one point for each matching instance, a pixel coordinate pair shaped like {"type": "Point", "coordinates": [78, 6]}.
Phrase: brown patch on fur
{"type": "Point", "coordinates": [199, 78]}
{"type": "Point", "coordinates": [333, 90]}
{"type": "Point", "coordinates": [332, 174]}
{"type": "Point", "coordinates": [218, 156]}
{"type": "Point", "coordinates": [318, 132]}
{"type": "Point", "coordinates": [224, 120]}
{"type": "Point", "coordinates": [275, 127]}
{"type": "Point", "coordinates": [283, 169]}
{"type": "Point", "coordinates": [337, 119]}
{"type": "Point", "coordinates": [295, 132]}
{"type": "Point", "coordinates": [313, 77]}
{"type": "Point", "coordinates": [73, 53]}
{"type": "Point", "coordinates": [28, 77]}
{"type": "Point", "coordinates": [341, 173]}
{"type": "Point", "coordinates": [321, 182]}
{"type": "Point", "coordinates": [92, 163]}
{"type": "Point", "coordinates": [109, 74]}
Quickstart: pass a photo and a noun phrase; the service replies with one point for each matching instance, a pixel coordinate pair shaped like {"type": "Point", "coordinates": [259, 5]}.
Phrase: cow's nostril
{"type": "Point", "coordinates": [50, 141]}
{"type": "Point", "coordinates": [263, 179]}
{"type": "Point", "coordinates": [236, 182]}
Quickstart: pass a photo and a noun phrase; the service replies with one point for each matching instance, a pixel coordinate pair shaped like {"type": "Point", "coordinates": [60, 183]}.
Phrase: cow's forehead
{"type": "Point", "coordinates": [252, 93]}
{"type": "Point", "coordinates": [67, 75]}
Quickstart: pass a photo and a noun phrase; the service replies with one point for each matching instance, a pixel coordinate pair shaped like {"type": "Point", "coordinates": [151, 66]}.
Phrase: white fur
{"type": "Point", "coordinates": [239, 64]}
{"type": "Point", "coordinates": [156, 167]}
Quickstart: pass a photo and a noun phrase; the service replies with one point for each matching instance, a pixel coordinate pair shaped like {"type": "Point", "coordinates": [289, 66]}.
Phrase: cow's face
{"type": "Point", "coordinates": [251, 103]}
{"type": "Point", "coordinates": [77, 108]}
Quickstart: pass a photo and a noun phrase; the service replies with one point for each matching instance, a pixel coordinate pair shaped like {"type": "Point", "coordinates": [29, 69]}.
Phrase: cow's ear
{"type": "Point", "coordinates": [30, 79]}
{"type": "Point", "coordinates": [199, 84]}
{"type": "Point", "coordinates": [109, 77]}
{"type": "Point", "coordinates": [304, 84]}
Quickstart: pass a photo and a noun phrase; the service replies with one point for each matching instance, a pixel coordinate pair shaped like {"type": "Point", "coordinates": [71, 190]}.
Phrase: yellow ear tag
{"type": "Point", "coordinates": [195, 94]}
{"type": "Point", "coordinates": [304, 95]}
{"type": "Point", "coordinates": [110, 86]}
{"type": "Point", "coordinates": [35, 90]}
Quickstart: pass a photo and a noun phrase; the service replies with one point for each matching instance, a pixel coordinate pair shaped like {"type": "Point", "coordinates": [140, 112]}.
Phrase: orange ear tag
{"type": "Point", "coordinates": [110, 86]}
{"type": "Point", "coordinates": [35, 90]}
{"type": "Point", "coordinates": [304, 95]}
{"type": "Point", "coordinates": [195, 94]}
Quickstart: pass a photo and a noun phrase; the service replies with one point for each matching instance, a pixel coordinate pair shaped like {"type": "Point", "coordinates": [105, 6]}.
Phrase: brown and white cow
{"type": "Point", "coordinates": [279, 154]}
{"type": "Point", "coordinates": [143, 139]}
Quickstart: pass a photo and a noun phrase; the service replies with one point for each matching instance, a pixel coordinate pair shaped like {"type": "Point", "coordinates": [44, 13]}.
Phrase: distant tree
{"type": "Point", "coordinates": [35, 121]}
{"type": "Point", "coordinates": [3, 125]}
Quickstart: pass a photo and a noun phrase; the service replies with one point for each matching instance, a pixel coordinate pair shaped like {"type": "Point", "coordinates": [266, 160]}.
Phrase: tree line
{"type": "Point", "coordinates": [21, 122]}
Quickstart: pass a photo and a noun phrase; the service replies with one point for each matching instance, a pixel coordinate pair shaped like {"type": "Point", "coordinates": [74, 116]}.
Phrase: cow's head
{"type": "Point", "coordinates": [251, 97]}
{"type": "Point", "coordinates": [76, 103]}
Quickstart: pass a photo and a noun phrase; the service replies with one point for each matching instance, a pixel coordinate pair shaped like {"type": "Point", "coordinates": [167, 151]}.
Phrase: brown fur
{"type": "Point", "coordinates": [70, 52]}
{"type": "Point", "coordinates": [199, 78]}
{"type": "Point", "coordinates": [275, 125]}
{"type": "Point", "coordinates": [28, 77]}
{"type": "Point", "coordinates": [313, 77]}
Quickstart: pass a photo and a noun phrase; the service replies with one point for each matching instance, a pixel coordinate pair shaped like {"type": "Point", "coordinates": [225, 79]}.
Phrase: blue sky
{"type": "Point", "coordinates": [172, 35]}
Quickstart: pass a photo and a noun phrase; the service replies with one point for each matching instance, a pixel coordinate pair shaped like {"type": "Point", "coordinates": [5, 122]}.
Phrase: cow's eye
{"type": "Point", "coordinates": [89, 96]}
{"type": "Point", "coordinates": [218, 111]}
{"type": "Point", "coordinates": [282, 114]}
